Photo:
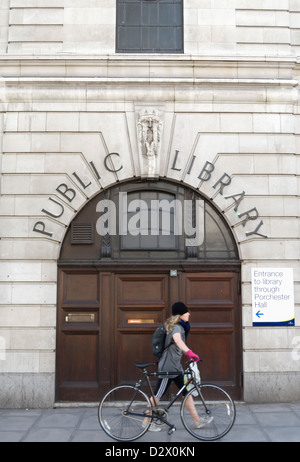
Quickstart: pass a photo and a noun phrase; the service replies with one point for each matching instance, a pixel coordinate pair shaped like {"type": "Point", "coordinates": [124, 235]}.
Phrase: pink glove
{"type": "Point", "coordinates": [192, 356]}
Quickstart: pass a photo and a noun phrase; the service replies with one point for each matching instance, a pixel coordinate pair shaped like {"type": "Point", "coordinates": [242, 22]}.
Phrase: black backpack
{"type": "Point", "coordinates": [158, 341]}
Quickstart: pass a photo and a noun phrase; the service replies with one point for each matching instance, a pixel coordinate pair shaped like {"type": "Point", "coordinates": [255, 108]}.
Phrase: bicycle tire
{"type": "Point", "coordinates": [220, 406]}
{"type": "Point", "coordinates": [113, 417]}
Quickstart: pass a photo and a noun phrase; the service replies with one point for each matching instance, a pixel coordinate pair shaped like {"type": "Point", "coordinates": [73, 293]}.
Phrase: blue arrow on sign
{"type": "Point", "coordinates": [259, 314]}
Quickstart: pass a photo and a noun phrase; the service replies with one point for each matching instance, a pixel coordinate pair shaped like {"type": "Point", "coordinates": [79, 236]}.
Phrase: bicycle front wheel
{"type": "Point", "coordinates": [214, 409]}
{"type": "Point", "coordinates": [121, 418]}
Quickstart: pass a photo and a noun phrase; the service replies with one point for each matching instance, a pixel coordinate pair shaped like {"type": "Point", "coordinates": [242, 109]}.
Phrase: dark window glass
{"type": "Point", "coordinates": [153, 217]}
{"type": "Point", "coordinates": [149, 26]}
{"type": "Point", "coordinates": [167, 240]}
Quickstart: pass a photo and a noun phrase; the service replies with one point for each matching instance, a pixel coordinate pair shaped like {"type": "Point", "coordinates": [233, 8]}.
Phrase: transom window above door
{"type": "Point", "coordinates": [149, 26]}
{"type": "Point", "coordinates": [149, 221]}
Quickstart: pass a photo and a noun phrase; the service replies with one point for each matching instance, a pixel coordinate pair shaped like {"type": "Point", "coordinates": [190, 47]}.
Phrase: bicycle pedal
{"type": "Point", "coordinates": [172, 430]}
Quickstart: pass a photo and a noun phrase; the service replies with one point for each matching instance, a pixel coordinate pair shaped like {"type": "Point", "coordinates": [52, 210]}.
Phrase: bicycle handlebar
{"type": "Point", "coordinates": [169, 373]}
{"type": "Point", "coordinates": [190, 361]}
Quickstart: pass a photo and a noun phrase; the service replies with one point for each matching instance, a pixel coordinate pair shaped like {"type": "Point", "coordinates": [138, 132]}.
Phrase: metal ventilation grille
{"type": "Point", "coordinates": [82, 233]}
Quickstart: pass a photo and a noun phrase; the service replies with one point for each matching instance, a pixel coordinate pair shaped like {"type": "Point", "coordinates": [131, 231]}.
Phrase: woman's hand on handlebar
{"type": "Point", "coordinates": [191, 355]}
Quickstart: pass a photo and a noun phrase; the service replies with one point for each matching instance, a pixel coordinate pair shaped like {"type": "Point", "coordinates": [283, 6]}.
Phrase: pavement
{"type": "Point", "coordinates": [278, 422]}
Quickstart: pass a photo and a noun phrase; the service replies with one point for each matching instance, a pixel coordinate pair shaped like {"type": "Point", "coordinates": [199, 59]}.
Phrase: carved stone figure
{"type": "Point", "coordinates": [149, 129]}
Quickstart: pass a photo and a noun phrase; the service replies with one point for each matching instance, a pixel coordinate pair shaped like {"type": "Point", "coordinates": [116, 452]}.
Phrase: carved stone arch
{"type": "Point", "coordinates": [83, 242]}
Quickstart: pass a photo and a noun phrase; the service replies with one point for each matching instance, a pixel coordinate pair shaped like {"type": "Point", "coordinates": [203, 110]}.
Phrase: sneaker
{"type": "Point", "coordinates": [152, 428]}
{"type": "Point", "coordinates": [204, 421]}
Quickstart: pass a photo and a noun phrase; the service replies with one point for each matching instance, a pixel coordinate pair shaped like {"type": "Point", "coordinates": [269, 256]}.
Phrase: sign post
{"type": "Point", "coordinates": [273, 297]}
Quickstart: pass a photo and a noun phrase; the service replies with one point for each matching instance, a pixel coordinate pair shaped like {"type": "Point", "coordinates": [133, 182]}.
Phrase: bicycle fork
{"type": "Point", "coordinates": [207, 411]}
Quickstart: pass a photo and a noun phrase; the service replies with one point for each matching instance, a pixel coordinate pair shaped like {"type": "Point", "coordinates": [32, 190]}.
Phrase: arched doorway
{"type": "Point", "coordinates": [128, 255]}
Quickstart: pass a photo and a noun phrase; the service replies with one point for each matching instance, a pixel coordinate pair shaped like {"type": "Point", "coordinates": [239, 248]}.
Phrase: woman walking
{"type": "Point", "coordinates": [177, 327]}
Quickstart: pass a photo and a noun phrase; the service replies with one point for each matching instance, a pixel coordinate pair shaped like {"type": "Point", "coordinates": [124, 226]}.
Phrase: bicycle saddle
{"type": "Point", "coordinates": [142, 365]}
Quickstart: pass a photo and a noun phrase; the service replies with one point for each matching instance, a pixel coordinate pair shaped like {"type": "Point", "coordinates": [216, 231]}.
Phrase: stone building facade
{"type": "Point", "coordinates": [81, 122]}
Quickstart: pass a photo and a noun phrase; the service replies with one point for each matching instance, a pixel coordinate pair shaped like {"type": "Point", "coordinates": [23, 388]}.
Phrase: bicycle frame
{"type": "Point", "coordinates": [177, 394]}
{"type": "Point", "coordinates": [145, 377]}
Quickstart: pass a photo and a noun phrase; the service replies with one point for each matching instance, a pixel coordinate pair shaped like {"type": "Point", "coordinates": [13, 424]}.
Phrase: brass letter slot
{"type": "Point", "coordinates": [140, 321]}
{"type": "Point", "coordinates": [80, 317]}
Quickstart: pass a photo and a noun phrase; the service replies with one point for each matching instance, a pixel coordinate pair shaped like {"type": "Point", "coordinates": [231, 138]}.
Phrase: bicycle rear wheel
{"type": "Point", "coordinates": [218, 405]}
{"type": "Point", "coordinates": [121, 418]}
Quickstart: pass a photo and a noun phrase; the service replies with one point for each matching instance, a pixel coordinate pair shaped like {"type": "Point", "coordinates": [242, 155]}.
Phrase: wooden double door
{"type": "Point", "coordinates": [106, 320]}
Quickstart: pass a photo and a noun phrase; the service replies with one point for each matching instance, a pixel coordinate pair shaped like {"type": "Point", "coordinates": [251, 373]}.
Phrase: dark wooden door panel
{"type": "Point", "coordinates": [213, 300]}
{"type": "Point", "coordinates": [142, 304]}
{"type": "Point", "coordinates": [133, 346]}
{"type": "Point", "coordinates": [79, 376]}
{"type": "Point", "coordinates": [106, 321]}
{"type": "Point", "coordinates": [142, 289]}
{"type": "Point", "coordinates": [215, 348]}
{"type": "Point", "coordinates": [202, 289]}
{"type": "Point", "coordinates": [78, 336]}
{"type": "Point", "coordinates": [80, 287]}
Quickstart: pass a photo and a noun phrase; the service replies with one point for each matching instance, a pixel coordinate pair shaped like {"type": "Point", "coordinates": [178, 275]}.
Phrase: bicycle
{"type": "Point", "coordinates": [129, 419]}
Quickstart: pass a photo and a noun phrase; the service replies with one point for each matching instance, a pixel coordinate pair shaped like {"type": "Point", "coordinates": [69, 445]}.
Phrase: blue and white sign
{"type": "Point", "coordinates": [273, 297]}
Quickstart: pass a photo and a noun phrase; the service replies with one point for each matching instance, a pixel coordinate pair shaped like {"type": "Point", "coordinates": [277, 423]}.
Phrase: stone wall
{"type": "Point", "coordinates": [232, 100]}
{"type": "Point", "coordinates": [211, 27]}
